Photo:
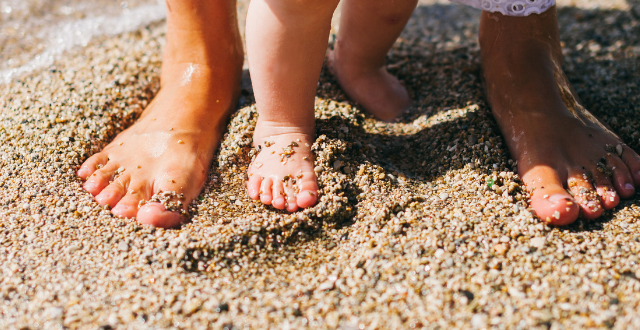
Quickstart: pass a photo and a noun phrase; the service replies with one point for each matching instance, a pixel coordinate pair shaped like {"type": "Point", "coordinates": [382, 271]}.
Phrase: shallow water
{"type": "Point", "coordinates": [34, 33]}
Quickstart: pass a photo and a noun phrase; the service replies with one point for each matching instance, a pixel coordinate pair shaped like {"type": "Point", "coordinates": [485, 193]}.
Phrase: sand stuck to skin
{"type": "Point", "coordinates": [421, 223]}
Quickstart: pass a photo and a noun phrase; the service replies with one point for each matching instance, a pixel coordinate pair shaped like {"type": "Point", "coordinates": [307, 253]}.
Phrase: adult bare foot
{"type": "Point", "coordinates": [169, 149]}
{"type": "Point", "coordinates": [558, 144]}
{"type": "Point", "coordinates": [282, 174]}
{"type": "Point", "coordinates": [367, 32]}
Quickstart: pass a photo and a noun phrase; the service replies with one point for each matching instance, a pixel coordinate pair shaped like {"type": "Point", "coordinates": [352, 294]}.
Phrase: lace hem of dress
{"type": "Point", "coordinates": [511, 7]}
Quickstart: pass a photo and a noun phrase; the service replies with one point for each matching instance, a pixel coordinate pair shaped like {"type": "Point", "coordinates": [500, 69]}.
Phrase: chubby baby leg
{"type": "Point", "coordinates": [286, 45]}
{"type": "Point", "coordinates": [368, 29]}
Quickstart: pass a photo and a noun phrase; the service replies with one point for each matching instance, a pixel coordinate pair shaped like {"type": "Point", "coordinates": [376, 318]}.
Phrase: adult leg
{"type": "Point", "coordinates": [558, 144]}
{"type": "Point", "coordinates": [171, 146]}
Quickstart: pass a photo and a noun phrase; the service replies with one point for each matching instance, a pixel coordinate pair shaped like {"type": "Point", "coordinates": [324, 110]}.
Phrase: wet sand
{"type": "Point", "coordinates": [422, 223]}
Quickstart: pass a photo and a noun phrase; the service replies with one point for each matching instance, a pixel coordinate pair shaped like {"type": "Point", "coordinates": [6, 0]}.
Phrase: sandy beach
{"type": "Point", "coordinates": [421, 224]}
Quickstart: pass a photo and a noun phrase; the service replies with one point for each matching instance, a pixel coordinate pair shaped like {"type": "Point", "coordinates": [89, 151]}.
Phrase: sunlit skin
{"type": "Point", "coordinates": [555, 140]}
{"type": "Point", "coordinates": [171, 146]}
{"type": "Point", "coordinates": [286, 46]}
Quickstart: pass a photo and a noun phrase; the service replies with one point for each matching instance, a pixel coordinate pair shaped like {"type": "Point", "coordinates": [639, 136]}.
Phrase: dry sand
{"type": "Point", "coordinates": [421, 224]}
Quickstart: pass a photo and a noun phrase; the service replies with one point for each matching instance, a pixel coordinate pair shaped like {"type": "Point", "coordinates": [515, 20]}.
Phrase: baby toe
{"type": "Point", "coordinates": [266, 189]}
{"type": "Point", "coordinates": [253, 186]}
{"type": "Point", "coordinates": [291, 204]}
{"type": "Point", "coordinates": [308, 193]}
{"type": "Point", "coordinates": [279, 200]}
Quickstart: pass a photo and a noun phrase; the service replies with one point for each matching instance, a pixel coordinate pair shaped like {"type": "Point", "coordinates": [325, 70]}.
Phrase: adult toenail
{"type": "Point", "coordinates": [557, 198]}
{"type": "Point", "coordinates": [628, 186]}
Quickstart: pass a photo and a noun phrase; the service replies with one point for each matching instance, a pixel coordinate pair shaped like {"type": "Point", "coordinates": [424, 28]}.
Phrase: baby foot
{"type": "Point", "coordinates": [379, 92]}
{"type": "Point", "coordinates": [282, 172]}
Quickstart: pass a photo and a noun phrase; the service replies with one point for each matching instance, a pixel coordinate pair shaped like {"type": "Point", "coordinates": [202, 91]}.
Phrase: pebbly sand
{"type": "Point", "coordinates": [421, 224]}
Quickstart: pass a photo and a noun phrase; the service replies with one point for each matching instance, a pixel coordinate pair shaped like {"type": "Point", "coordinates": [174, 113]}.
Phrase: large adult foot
{"type": "Point", "coordinates": [375, 89]}
{"type": "Point", "coordinates": [165, 150]}
{"type": "Point", "coordinates": [282, 173]}
{"type": "Point", "coordinates": [169, 149]}
{"type": "Point", "coordinates": [558, 144]}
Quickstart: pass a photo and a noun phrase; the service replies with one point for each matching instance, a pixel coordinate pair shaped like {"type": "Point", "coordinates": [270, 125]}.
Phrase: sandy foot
{"type": "Point", "coordinates": [570, 161]}
{"type": "Point", "coordinates": [165, 155]}
{"type": "Point", "coordinates": [282, 174]}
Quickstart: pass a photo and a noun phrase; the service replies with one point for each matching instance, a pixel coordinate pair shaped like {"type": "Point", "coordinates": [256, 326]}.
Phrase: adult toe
{"type": "Point", "coordinates": [549, 199]}
{"type": "Point", "coordinates": [157, 215]}
{"type": "Point", "coordinates": [91, 165]}
{"type": "Point", "coordinates": [622, 180]}
{"type": "Point", "coordinates": [632, 161]}
{"type": "Point", "coordinates": [112, 194]}
{"type": "Point", "coordinates": [585, 194]}
{"type": "Point", "coordinates": [100, 179]}
{"type": "Point", "coordinates": [128, 206]}
{"type": "Point", "coordinates": [605, 190]}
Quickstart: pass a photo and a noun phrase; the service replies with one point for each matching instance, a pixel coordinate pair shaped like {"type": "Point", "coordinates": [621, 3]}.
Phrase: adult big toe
{"type": "Point", "coordinates": [555, 206]}
{"type": "Point", "coordinates": [157, 215]}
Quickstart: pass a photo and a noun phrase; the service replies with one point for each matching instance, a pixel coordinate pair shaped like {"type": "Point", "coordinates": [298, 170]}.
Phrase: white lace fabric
{"type": "Point", "coordinates": [510, 7]}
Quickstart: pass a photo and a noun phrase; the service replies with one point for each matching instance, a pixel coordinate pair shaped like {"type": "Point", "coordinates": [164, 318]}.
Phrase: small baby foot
{"type": "Point", "coordinates": [379, 92]}
{"type": "Point", "coordinates": [281, 174]}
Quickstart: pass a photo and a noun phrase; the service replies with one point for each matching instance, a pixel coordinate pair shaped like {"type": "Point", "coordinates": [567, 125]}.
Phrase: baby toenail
{"type": "Point", "coordinates": [628, 186]}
